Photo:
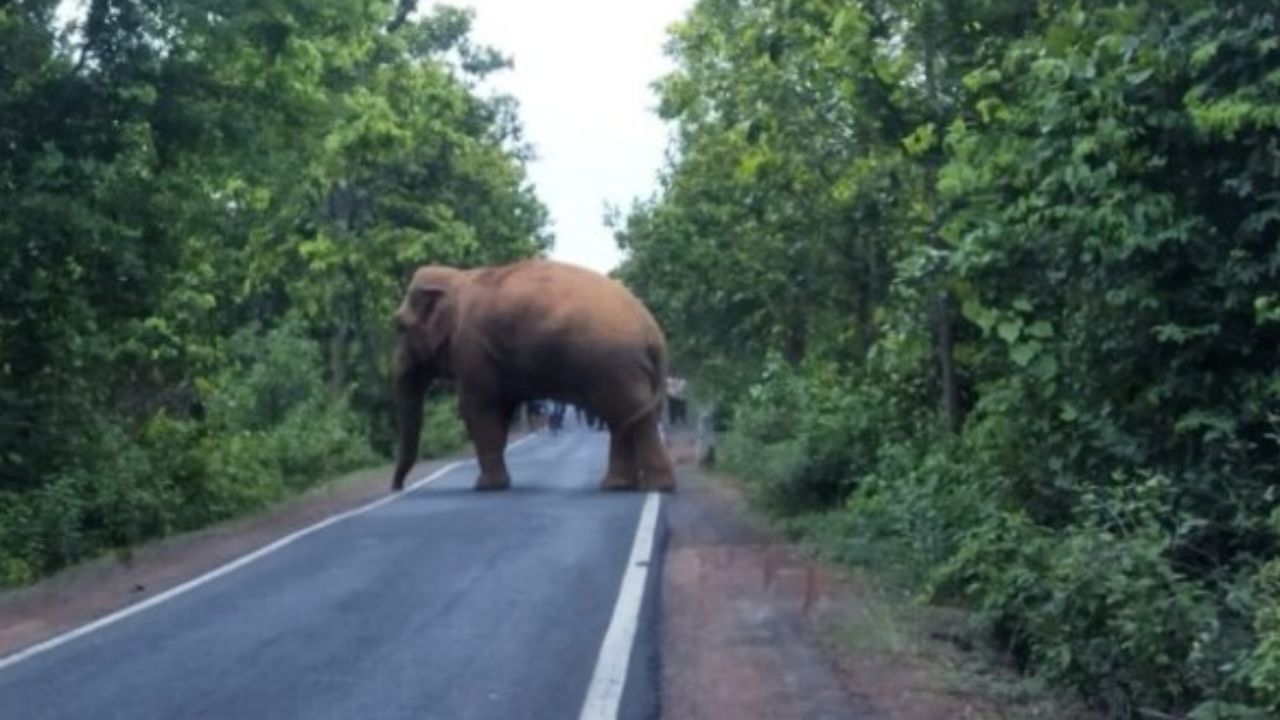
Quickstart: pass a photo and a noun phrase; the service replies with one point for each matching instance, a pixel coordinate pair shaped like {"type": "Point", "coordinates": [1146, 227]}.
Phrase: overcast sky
{"type": "Point", "coordinates": [583, 70]}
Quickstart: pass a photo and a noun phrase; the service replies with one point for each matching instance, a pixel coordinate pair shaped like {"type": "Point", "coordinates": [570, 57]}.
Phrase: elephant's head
{"type": "Point", "coordinates": [425, 324]}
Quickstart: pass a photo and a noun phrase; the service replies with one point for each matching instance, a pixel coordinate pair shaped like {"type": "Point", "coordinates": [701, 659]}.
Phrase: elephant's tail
{"type": "Point", "coordinates": [657, 367]}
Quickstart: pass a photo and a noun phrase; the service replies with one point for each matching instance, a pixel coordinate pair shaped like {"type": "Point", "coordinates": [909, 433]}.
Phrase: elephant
{"type": "Point", "coordinates": [529, 330]}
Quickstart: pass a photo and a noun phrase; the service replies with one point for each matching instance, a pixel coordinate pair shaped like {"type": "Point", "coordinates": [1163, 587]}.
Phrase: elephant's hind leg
{"type": "Point", "coordinates": [621, 474]}
{"type": "Point", "coordinates": [488, 427]}
{"type": "Point", "coordinates": [652, 460]}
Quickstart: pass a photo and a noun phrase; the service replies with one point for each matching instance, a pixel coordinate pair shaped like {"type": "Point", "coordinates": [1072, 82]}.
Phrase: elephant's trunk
{"type": "Point", "coordinates": [409, 391]}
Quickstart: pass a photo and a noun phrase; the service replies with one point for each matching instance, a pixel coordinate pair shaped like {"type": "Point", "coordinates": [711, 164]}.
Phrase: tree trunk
{"type": "Point", "coordinates": [793, 349]}
{"type": "Point", "coordinates": [945, 338]}
{"type": "Point", "coordinates": [338, 359]}
{"type": "Point", "coordinates": [943, 320]}
{"type": "Point", "coordinates": [869, 295]}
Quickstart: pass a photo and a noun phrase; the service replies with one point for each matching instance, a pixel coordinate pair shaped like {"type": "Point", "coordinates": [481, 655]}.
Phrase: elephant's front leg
{"type": "Point", "coordinates": [621, 474]}
{"type": "Point", "coordinates": [488, 426]}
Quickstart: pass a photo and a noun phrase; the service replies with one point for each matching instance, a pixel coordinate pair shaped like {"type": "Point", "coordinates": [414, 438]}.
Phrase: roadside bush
{"type": "Point", "coordinates": [268, 375]}
{"type": "Point", "coordinates": [790, 438]}
{"type": "Point", "coordinates": [20, 551]}
{"type": "Point", "coordinates": [1264, 664]}
{"type": "Point", "coordinates": [808, 438]}
{"type": "Point", "coordinates": [51, 532]}
{"type": "Point", "coordinates": [317, 439]}
{"type": "Point", "coordinates": [1078, 604]}
{"type": "Point", "coordinates": [1094, 583]}
{"type": "Point", "coordinates": [442, 430]}
{"type": "Point", "coordinates": [768, 446]}
{"type": "Point", "coordinates": [111, 497]}
{"type": "Point", "coordinates": [127, 499]}
{"type": "Point", "coordinates": [271, 427]}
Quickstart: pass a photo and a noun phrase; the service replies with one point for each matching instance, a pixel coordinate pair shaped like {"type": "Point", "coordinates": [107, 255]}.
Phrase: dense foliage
{"type": "Point", "coordinates": [207, 213]}
{"type": "Point", "coordinates": [990, 288]}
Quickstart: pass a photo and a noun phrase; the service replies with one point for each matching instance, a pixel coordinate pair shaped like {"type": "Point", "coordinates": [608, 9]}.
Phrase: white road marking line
{"type": "Point", "coordinates": [232, 566]}
{"type": "Point", "coordinates": [522, 441]}
{"type": "Point", "coordinates": [604, 694]}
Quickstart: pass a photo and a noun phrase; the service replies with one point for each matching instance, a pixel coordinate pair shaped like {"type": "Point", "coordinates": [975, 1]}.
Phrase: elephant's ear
{"type": "Point", "coordinates": [431, 305]}
{"type": "Point", "coordinates": [424, 298]}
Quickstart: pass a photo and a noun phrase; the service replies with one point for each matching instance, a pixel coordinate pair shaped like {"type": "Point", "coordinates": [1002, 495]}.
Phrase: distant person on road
{"type": "Point", "coordinates": [677, 407]}
{"type": "Point", "coordinates": [556, 418]}
{"type": "Point", "coordinates": [533, 414]}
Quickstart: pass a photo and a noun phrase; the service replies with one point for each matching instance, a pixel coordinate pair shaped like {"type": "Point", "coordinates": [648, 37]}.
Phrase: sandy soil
{"type": "Point", "coordinates": [755, 627]}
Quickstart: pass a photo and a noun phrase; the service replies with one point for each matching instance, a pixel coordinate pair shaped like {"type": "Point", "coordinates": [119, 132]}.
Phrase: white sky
{"type": "Point", "coordinates": [583, 70]}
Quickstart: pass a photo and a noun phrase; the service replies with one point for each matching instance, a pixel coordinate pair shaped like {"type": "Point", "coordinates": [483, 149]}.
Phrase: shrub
{"type": "Point", "coordinates": [271, 427]}
{"type": "Point", "coordinates": [789, 441]}
{"type": "Point", "coordinates": [442, 430]}
{"type": "Point", "coordinates": [1079, 604]}
{"type": "Point", "coordinates": [1090, 582]}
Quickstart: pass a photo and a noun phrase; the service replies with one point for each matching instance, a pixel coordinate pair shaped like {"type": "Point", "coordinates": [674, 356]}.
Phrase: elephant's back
{"type": "Point", "coordinates": [556, 330]}
{"type": "Point", "coordinates": [554, 298]}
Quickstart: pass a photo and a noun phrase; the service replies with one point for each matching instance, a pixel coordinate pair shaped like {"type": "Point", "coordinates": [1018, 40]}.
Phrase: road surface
{"type": "Point", "coordinates": [441, 603]}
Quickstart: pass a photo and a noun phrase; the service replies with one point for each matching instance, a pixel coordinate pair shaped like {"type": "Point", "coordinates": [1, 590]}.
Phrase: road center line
{"type": "Point", "coordinates": [232, 566]}
{"type": "Point", "coordinates": [604, 694]}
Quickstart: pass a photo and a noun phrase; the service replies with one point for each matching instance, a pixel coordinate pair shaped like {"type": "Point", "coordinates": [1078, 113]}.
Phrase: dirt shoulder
{"type": "Point", "coordinates": [756, 627]}
{"type": "Point", "coordinates": [81, 594]}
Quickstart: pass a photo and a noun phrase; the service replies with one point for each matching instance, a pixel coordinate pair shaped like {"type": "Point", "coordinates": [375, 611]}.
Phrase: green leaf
{"type": "Point", "coordinates": [1137, 78]}
{"type": "Point", "coordinates": [1220, 710]}
{"type": "Point", "coordinates": [974, 311]}
{"type": "Point", "coordinates": [1040, 329]}
{"type": "Point", "coordinates": [1024, 353]}
{"type": "Point", "coordinates": [1212, 424]}
{"type": "Point", "coordinates": [1204, 53]}
{"type": "Point", "coordinates": [921, 139]}
{"type": "Point", "coordinates": [1046, 367]}
{"type": "Point", "coordinates": [1009, 330]}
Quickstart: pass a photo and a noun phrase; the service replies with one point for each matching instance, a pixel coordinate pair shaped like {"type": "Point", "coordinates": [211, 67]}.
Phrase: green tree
{"type": "Point", "coordinates": [1020, 261]}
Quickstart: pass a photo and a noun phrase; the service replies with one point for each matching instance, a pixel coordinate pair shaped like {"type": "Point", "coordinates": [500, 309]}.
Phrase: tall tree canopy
{"type": "Point", "coordinates": [1008, 272]}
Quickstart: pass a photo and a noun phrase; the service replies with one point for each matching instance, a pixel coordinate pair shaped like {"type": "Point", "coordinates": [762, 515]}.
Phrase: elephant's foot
{"type": "Point", "coordinates": [614, 481]}
{"type": "Point", "coordinates": [485, 483]}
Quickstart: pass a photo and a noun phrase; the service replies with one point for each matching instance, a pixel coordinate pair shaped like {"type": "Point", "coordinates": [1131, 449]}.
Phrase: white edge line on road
{"type": "Point", "coordinates": [521, 441]}
{"type": "Point", "coordinates": [232, 566]}
{"type": "Point", "coordinates": [604, 694]}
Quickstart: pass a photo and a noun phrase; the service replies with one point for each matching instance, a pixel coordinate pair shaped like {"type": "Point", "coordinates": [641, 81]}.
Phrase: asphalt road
{"type": "Point", "coordinates": [443, 603]}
